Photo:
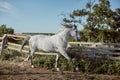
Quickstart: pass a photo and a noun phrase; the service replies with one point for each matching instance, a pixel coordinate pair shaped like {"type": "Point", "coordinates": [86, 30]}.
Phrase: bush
{"type": "Point", "coordinates": [11, 55]}
{"type": "Point", "coordinates": [44, 61]}
{"type": "Point", "coordinates": [101, 65]}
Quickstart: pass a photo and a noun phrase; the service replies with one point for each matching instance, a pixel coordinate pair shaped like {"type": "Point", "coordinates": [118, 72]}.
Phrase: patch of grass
{"type": "Point", "coordinates": [10, 55]}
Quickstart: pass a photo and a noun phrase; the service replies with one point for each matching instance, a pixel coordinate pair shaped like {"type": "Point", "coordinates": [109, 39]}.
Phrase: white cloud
{"type": "Point", "coordinates": [6, 7]}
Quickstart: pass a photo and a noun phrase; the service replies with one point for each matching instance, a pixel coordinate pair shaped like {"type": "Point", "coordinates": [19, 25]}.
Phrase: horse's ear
{"type": "Point", "coordinates": [74, 26]}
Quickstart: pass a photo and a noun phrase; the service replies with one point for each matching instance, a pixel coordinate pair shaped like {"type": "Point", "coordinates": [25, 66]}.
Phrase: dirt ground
{"type": "Point", "coordinates": [22, 71]}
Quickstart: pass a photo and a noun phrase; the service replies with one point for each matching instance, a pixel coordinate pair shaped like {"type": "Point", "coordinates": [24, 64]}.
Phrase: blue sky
{"type": "Point", "coordinates": [39, 16]}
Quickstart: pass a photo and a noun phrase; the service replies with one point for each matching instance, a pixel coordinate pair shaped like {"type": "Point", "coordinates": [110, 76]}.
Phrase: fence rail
{"type": "Point", "coordinates": [92, 47]}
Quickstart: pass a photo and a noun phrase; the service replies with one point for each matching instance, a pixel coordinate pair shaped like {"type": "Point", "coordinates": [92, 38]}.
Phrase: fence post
{"type": "Point", "coordinates": [4, 43]}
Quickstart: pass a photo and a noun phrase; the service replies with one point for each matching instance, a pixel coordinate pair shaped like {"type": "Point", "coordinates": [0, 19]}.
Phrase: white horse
{"type": "Point", "coordinates": [56, 43]}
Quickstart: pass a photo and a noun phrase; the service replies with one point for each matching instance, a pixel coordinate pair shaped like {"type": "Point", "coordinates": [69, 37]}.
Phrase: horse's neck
{"type": "Point", "coordinates": [64, 35]}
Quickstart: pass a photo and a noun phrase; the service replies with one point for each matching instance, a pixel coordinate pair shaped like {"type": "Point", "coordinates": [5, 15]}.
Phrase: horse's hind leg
{"type": "Point", "coordinates": [28, 57]}
{"type": "Point", "coordinates": [56, 62]}
{"type": "Point", "coordinates": [31, 57]}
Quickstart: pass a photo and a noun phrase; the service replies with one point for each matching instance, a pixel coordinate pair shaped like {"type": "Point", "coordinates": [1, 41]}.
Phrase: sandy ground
{"type": "Point", "coordinates": [19, 71]}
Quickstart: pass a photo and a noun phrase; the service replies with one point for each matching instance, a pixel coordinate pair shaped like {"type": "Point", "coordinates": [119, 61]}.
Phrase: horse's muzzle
{"type": "Point", "coordinates": [78, 39]}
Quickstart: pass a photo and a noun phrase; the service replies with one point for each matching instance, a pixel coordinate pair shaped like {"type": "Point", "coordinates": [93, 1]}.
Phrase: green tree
{"type": "Point", "coordinates": [100, 21]}
{"type": "Point", "coordinates": [5, 30]}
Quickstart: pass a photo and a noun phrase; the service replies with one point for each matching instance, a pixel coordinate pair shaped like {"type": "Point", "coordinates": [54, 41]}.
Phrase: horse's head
{"type": "Point", "coordinates": [75, 33]}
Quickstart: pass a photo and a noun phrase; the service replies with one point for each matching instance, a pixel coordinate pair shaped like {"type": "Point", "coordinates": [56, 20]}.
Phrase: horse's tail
{"type": "Point", "coordinates": [24, 42]}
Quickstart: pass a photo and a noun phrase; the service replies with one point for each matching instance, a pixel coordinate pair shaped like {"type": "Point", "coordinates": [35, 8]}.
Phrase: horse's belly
{"type": "Point", "coordinates": [45, 46]}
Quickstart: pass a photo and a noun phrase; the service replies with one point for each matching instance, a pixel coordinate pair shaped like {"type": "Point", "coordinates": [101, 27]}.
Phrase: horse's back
{"type": "Point", "coordinates": [42, 42]}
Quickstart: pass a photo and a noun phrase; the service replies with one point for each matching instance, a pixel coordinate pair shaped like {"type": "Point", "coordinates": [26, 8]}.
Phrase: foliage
{"type": "Point", "coordinates": [10, 55]}
{"type": "Point", "coordinates": [5, 30]}
{"type": "Point", "coordinates": [101, 66]}
{"type": "Point", "coordinates": [88, 65]}
{"type": "Point", "coordinates": [44, 61]}
{"type": "Point", "coordinates": [99, 21]}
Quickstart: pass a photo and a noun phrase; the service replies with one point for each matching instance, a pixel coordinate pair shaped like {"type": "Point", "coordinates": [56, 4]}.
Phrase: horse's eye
{"type": "Point", "coordinates": [76, 31]}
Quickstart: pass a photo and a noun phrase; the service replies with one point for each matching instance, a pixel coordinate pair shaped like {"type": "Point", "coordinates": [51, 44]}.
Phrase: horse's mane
{"type": "Point", "coordinates": [67, 25]}
{"type": "Point", "coordinates": [63, 27]}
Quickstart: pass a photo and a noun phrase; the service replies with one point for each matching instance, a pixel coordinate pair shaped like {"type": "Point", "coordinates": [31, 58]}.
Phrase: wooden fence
{"type": "Point", "coordinates": [109, 50]}
{"type": "Point", "coordinates": [90, 48]}
{"type": "Point", "coordinates": [16, 47]}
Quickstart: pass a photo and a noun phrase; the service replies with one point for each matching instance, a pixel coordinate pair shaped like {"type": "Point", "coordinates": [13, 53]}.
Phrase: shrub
{"type": "Point", "coordinates": [101, 65]}
{"type": "Point", "coordinates": [44, 61]}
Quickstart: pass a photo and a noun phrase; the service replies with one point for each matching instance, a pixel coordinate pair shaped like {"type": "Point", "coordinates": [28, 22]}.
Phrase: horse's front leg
{"type": "Point", "coordinates": [64, 53]}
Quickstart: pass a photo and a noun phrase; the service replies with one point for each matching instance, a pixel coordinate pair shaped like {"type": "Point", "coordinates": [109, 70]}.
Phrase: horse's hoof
{"type": "Point", "coordinates": [58, 69]}
{"type": "Point", "coordinates": [25, 60]}
{"type": "Point", "coordinates": [21, 64]}
{"type": "Point", "coordinates": [33, 66]}
{"type": "Point", "coordinates": [77, 68]}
